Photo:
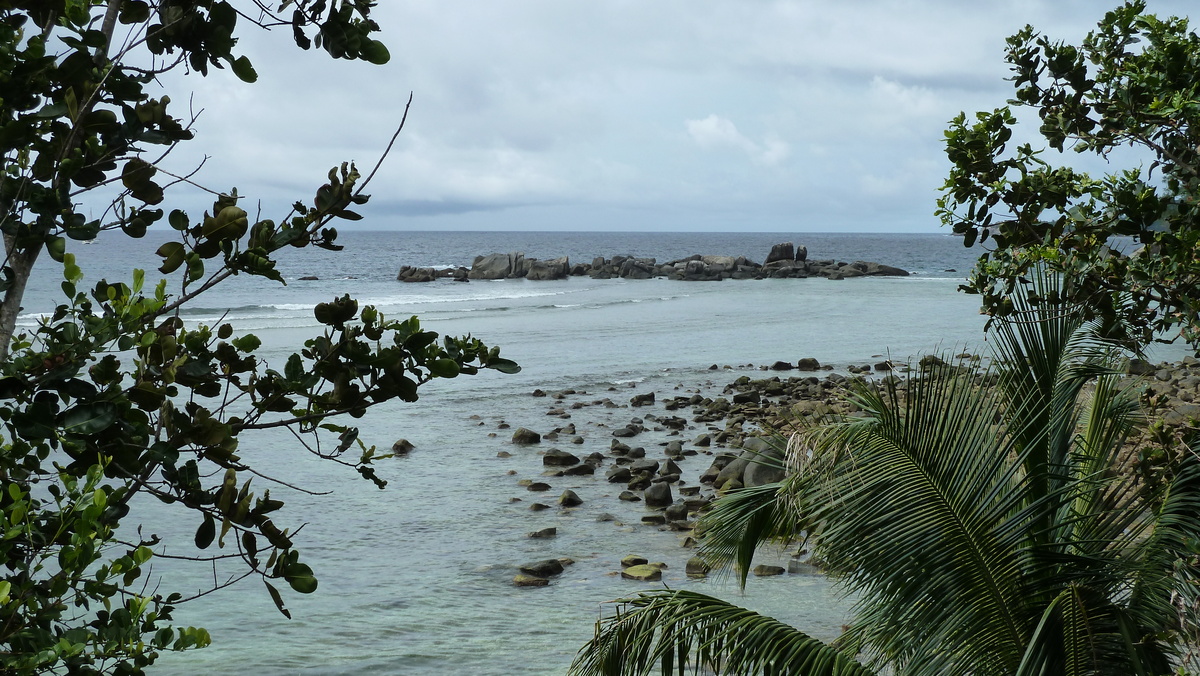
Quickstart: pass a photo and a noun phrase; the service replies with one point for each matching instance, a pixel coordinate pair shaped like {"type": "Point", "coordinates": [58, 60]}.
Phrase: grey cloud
{"type": "Point", "coordinates": [541, 113]}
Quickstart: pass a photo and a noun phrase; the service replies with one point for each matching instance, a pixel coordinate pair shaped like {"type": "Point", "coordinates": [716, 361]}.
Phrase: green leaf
{"type": "Point", "coordinates": [12, 386]}
{"type": "Point", "coordinates": [374, 51]}
{"type": "Point", "coordinates": [207, 532]}
{"type": "Point", "coordinates": [504, 366]}
{"type": "Point", "coordinates": [247, 343]}
{"type": "Point", "coordinates": [178, 219]}
{"type": "Point", "coordinates": [173, 254]}
{"type": "Point", "coordinates": [277, 599]}
{"type": "Point", "coordinates": [244, 70]}
{"type": "Point", "coordinates": [443, 368]}
{"type": "Point", "coordinates": [56, 247]}
{"type": "Point", "coordinates": [301, 578]}
{"type": "Point", "coordinates": [88, 419]}
{"type": "Point", "coordinates": [134, 11]}
{"type": "Point", "coordinates": [53, 110]}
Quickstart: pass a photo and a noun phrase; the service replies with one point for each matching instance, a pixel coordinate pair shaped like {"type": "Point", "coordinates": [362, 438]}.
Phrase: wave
{"type": "Point", "coordinates": [188, 311]}
{"type": "Point", "coordinates": [384, 301]}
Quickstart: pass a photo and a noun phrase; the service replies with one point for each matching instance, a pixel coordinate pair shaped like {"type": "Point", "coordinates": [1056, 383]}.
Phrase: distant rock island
{"type": "Point", "coordinates": [785, 261]}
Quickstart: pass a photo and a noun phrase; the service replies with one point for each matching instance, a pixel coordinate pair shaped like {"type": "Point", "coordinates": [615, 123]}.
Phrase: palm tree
{"type": "Point", "coordinates": [987, 523]}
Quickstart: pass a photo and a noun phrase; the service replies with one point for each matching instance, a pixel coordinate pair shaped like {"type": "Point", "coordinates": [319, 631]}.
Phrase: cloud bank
{"type": "Point", "coordinates": [783, 115]}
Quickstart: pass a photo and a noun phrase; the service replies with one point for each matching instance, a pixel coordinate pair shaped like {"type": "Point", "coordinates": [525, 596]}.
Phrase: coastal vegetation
{"type": "Point", "coordinates": [1128, 238]}
{"type": "Point", "coordinates": [111, 398]}
{"type": "Point", "coordinates": [1003, 522]}
{"type": "Point", "coordinates": [986, 521]}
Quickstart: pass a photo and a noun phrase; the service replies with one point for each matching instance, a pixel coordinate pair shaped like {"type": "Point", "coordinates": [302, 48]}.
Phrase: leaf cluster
{"type": "Point", "coordinates": [1134, 82]}
{"type": "Point", "coordinates": [985, 523]}
{"type": "Point", "coordinates": [112, 395]}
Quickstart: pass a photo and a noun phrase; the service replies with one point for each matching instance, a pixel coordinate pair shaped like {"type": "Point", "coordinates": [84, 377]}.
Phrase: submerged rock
{"type": "Point", "coordinates": [524, 436]}
{"type": "Point", "coordinates": [642, 573]}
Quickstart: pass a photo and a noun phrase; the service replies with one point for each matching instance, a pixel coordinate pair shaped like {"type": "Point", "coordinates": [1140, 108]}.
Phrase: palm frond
{"type": "Point", "coordinates": [742, 520]}
{"type": "Point", "coordinates": [680, 632]}
{"type": "Point", "coordinates": [912, 509]}
{"type": "Point", "coordinates": [1082, 633]}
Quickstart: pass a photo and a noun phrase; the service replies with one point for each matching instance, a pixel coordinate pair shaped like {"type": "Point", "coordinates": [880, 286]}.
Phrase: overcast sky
{"type": "Point", "coordinates": [629, 114]}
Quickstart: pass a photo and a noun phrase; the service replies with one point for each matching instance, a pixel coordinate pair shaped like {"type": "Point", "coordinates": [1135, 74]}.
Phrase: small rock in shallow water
{"type": "Point", "coordinates": [523, 580]}
{"type": "Point", "coordinates": [643, 573]}
{"type": "Point", "coordinates": [524, 436]}
{"type": "Point", "coordinates": [557, 458]}
{"type": "Point", "coordinates": [543, 568]}
{"type": "Point", "coordinates": [658, 495]}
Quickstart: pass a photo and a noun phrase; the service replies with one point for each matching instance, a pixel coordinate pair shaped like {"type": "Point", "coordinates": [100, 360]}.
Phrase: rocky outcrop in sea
{"type": "Point", "coordinates": [683, 449]}
{"type": "Point", "coordinates": [784, 261]}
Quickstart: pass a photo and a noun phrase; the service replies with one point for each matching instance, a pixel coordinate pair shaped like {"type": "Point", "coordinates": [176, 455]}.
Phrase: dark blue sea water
{"type": "Point", "coordinates": [415, 579]}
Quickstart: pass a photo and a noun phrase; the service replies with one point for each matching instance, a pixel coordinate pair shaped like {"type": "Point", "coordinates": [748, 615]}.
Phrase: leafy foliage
{"type": "Point", "coordinates": [984, 522]}
{"type": "Point", "coordinates": [112, 395]}
{"type": "Point", "coordinates": [1133, 83]}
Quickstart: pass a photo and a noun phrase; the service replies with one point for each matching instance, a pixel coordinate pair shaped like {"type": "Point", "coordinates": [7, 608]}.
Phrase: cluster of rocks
{"type": "Point", "coordinates": [538, 573]}
{"type": "Point", "coordinates": [675, 491]}
{"type": "Point", "coordinates": [409, 273]}
{"type": "Point", "coordinates": [784, 261]}
{"type": "Point", "coordinates": [1171, 394]}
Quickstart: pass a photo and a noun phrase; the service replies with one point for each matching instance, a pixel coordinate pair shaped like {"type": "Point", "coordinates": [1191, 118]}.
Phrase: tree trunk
{"type": "Point", "coordinates": [21, 259]}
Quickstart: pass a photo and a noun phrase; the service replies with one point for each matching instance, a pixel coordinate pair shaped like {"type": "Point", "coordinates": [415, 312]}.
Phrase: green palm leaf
{"type": "Point", "coordinates": [685, 632]}
{"type": "Point", "coordinates": [916, 508]}
{"type": "Point", "coordinates": [985, 521]}
{"type": "Point", "coordinates": [741, 521]}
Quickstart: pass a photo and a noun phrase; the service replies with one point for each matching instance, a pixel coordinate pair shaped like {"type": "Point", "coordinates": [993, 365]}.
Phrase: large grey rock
{"type": "Point", "coordinates": [658, 495]}
{"type": "Point", "coordinates": [497, 266]}
{"type": "Point", "coordinates": [764, 462]}
{"type": "Point", "coordinates": [727, 263]}
{"type": "Point", "coordinates": [642, 573]}
{"type": "Point", "coordinates": [1139, 367]}
{"type": "Point", "coordinates": [878, 269]}
{"type": "Point", "coordinates": [637, 268]}
{"type": "Point", "coordinates": [618, 475]}
{"type": "Point", "coordinates": [558, 268]}
{"type": "Point", "coordinates": [731, 472]}
{"type": "Point", "coordinates": [556, 458]}
{"type": "Point", "coordinates": [1185, 413]}
{"type": "Point", "coordinates": [646, 399]}
{"type": "Point", "coordinates": [524, 436]}
{"type": "Point", "coordinates": [781, 252]}
{"type": "Point", "coordinates": [644, 465]}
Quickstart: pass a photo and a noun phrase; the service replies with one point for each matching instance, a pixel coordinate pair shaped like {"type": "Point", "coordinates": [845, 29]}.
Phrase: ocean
{"type": "Point", "coordinates": [416, 578]}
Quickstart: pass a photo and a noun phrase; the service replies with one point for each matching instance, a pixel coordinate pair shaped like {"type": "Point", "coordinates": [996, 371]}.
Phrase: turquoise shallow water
{"type": "Point", "coordinates": [415, 579]}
